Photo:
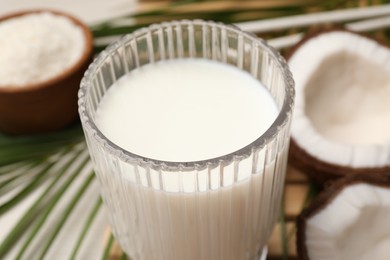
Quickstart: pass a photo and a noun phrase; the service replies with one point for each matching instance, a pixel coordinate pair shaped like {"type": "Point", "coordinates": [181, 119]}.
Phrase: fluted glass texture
{"type": "Point", "coordinates": [218, 209]}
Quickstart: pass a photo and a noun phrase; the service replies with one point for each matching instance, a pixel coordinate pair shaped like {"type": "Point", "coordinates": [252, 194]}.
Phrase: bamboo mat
{"type": "Point", "coordinates": [295, 196]}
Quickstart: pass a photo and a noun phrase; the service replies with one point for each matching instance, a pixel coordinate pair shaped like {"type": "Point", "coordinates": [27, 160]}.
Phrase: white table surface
{"type": "Point", "coordinates": [90, 11]}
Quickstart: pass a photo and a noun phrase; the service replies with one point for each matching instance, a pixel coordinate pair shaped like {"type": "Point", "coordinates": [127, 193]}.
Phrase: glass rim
{"type": "Point", "coordinates": [127, 156]}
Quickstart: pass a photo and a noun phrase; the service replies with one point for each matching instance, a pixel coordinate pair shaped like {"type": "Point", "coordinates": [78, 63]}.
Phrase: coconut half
{"type": "Point", "coordinates": [347, 221]}
{"type": "Point", "coordinates": [341, 122]}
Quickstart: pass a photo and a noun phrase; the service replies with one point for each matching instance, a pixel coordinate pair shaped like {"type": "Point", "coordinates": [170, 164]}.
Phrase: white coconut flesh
{"type": "Point", "coordinates": [342, 111]}
{"type": "Point", "coordinates": [354, 226]}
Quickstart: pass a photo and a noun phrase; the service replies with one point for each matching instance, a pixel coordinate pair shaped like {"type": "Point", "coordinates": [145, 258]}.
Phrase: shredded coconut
{"type": "Point", "coordinates": [37, 47]}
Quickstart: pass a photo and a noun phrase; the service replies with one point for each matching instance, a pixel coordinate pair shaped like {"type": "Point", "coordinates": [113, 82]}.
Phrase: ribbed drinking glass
{"type": "Point", "coordinates": [231, 205]}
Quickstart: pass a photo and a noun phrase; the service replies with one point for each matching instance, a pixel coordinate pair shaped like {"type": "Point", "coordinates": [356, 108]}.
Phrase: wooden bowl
{"type": "Point", "coordinates": [49, 105]}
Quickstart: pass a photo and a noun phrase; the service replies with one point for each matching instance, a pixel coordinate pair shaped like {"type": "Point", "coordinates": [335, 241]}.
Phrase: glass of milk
{"type": "Point", "coordinates": [187, 124]}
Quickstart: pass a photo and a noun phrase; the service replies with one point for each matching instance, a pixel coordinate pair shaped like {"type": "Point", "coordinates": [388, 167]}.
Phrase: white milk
{"type": "Point", "coordinates": [189, 110]}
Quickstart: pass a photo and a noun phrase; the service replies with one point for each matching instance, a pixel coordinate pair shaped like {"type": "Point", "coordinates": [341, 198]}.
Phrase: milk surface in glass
{"type": "Point", "coordinates": [189, 110]}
